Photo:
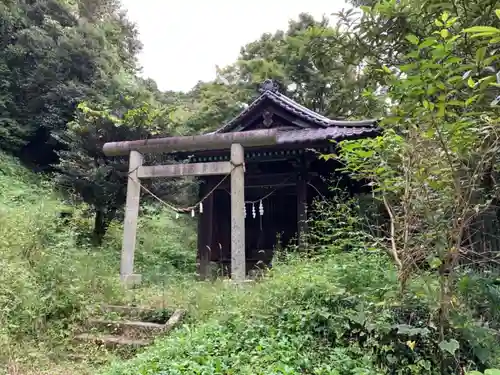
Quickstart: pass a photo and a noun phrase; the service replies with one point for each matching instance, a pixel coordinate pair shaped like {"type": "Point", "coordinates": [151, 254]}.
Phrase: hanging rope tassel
{"type": "Point", "coordinates": [201, 207]}
{"type": "Point", "coordinates": [192, 212]}
{"type": "Point", "coordinates": [253, 211]}
{"type": "Point", "coordinates": [261, 208]}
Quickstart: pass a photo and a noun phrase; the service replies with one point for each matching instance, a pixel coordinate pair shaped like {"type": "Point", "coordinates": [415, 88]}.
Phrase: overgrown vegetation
{"type": "Point", "coordinates": [52, 280]}
{"type": "Point", "coordinates": [403, 280]}
{"type": "Point", "coordinates": [340, 312]}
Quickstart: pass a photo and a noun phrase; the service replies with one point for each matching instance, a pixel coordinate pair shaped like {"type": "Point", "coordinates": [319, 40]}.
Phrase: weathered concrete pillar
{"type": "Point", "coordinates": [238, 266]}
{"type": "Point", "coordinates": [130, 224]}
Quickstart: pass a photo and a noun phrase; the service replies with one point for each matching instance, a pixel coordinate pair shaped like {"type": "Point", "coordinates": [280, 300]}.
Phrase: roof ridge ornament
{"type": "Point", "coordinates": [269, 85]}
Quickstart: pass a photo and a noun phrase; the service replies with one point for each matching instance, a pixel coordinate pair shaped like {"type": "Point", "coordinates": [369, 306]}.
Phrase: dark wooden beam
{"type": "Point", "coordinates": [293, 119]}
{"type": "Point", "coordinates": [303, 179]}
{"type": "Point", "coordinates": [257, 154]}
{"type": "Point", "coordinates": [263, 180]}
{"type": "Point", "coordinates": [205, 227]}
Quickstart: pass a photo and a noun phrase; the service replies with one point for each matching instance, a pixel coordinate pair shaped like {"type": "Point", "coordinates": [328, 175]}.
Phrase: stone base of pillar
{"type": "Point", "coordinates": [130, 281]}
{"type": "Point", "coordinates": [240, 282]}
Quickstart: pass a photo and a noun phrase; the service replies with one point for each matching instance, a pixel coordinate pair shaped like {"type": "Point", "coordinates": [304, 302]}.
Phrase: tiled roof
{"type": "Point", "coordinates": [295, 109]}
{"type": "Point", "coordinates": [330, 133]}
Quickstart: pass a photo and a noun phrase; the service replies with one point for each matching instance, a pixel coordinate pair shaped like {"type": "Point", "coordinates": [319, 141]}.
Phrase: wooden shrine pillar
{"type": "Point", "coordinates": [302, 180]}
{"type": "Point", "coordinates": [127, 275]}
{"type": "Point", "coordinates": [205, 227]}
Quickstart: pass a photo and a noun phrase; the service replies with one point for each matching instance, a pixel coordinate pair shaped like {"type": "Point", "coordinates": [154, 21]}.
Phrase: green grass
{"type": "Point", "coordinates": [48, 282]}
{"type": "Point", "coordinates": [51, 281]}
{"type": "Point", "coordinates": [271, 327]}
{"type": "Point", "coordinates": [342, 314]}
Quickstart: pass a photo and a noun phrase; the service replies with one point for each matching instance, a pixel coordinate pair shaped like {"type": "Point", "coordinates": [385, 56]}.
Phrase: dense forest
{"type": "Point", "coordinates": [416, 295]}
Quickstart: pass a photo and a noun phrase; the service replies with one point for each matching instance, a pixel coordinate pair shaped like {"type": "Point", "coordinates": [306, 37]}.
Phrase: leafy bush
{"type": "Point", "coordinates": [166, 246]}
{"type": "Point", "coordinates": [340, 315]}
{"type": "Point", "coordinates": [340, 223]}
{"type": "Point", "coordinates": [48, 282]}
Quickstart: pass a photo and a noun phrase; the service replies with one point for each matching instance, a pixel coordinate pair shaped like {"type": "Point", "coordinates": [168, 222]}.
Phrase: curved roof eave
{"type": "Point", "coordinates": [294, 109]}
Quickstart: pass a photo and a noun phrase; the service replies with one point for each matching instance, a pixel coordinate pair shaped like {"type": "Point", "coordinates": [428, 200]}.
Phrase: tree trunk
{"type": "Point", "coordinates": [102, 220]}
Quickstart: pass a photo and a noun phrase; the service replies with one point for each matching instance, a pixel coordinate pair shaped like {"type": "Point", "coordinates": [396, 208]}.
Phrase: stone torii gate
{"type": "Point", "coordinates": [235, 142]}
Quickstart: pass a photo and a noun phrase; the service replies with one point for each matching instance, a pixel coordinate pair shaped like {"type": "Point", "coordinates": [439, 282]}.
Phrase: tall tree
{"type": "Point", "coordinates": [315, 65]}
{"type": "Point", "coordinates": [51, 58]}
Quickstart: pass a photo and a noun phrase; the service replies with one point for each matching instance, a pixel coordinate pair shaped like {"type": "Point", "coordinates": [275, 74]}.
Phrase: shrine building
{"type": "Point", "coordinates": [281, 181]}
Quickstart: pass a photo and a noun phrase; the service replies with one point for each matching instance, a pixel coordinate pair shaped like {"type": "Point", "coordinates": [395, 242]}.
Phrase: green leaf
{"type": "Point", "coordinates": [444, 33]}
{"type": "Point", "coordinates": [451, 22]}
{"type": "Point", "coordinates": [489, 60]}
{"type": "Point", "coordinates": [492, 372]}
{"type": "Point", "coordinates": [439, 52]}
{"type": "Point", "coordinates": [365, 153]}
{"type": "Point", "coordinates": [412, 39]}
{"type": "Point", "coordinates": [480, 54]}
{"type": "Point", "coordinates": [412, 55]}
{"type": "Point", "coordinates": [435, 262]}
{"type": "Point", "coordinates": [405, 329]}
{"type": "Point", "coordinates": [431, 90]}
{"type": "Point", "coordinates": [438, 23]}
{"type": "Point", "coordinates": [497, 12]}
{"type": "Point", "coordinates": [427, 42]}
{"type": "Point", "coordinates": [482, 29]}
{"type": "Point", "coordinates": [454, 60]}
{"type": "Point", "coordinates": [441, 109]}
{"type": "Point", "coordinates": [485, 82]}
{"type": "Point", "coordinates": [450, 346]}
{"type": "Point", "coordinates": [471, 100]}
{"type": "Point", "coordinates": [471, 82]}
{"type": "Point", "coordinates": [445, 16]}
{"type": "Point", "coordinates": [407, 67]}
{"type": "Point", "coordinates": [441, 5]}
{"type": "Point", "coordinates": [454, 79]}
{"type": "Point", "coordinates": [479, 35]}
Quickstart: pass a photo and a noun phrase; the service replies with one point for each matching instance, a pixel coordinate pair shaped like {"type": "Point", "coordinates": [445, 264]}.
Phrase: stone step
{"type": "Point", "coordinates": [128, 311]}
{"type": "Point", "coordinates": [174, 320]}
{"type": "Point", "coordinates": [87, 357]}
{"type": "Point", "coordinates": [126, 333]}
{"type": "Point", "coordinates": [126, 328]}
{"type": "Point", "coordinates": [112, 341]}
